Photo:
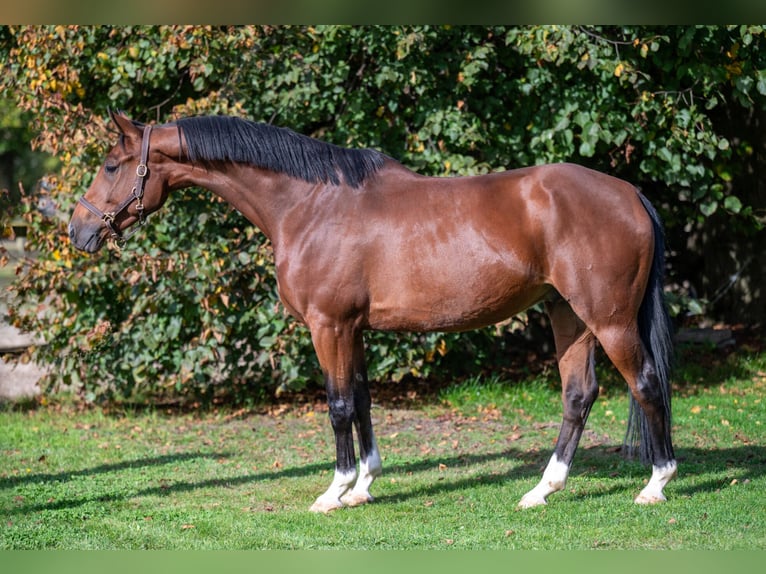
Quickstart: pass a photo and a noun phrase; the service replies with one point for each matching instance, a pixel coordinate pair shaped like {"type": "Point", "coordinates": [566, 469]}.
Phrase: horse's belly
{"type": "Point", "coordinates": [442, 302]}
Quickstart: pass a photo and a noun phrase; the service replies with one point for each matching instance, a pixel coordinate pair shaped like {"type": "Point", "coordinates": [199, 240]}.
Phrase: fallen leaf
{"type": "Point", "coordinates": [187, 527]}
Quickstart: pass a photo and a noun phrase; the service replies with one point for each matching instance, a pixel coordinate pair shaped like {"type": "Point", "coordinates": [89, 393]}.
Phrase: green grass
{"type": "Point", "coordinates": [454, 469]}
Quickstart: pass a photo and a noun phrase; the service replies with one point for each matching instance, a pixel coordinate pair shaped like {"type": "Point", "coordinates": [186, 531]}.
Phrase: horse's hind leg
{"type": "Point", "coordinates": [575, 346]}
{"type": "Point", "coordinates": [626, 351]}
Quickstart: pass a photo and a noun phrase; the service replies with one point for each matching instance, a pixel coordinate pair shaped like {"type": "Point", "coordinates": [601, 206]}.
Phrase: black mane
{"type": "Point", "coordinates": [224, 138]}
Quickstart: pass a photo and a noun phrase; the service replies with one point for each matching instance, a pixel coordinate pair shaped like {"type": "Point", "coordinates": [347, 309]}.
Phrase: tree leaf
{"type": "Point", "coordinates": [732, 203]}
{"type": "Point", "coordinates": [708, 208]}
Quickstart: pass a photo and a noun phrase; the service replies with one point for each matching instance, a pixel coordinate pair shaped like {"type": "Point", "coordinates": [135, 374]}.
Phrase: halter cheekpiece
{"type": "Point", "coordinates": [136, 194]}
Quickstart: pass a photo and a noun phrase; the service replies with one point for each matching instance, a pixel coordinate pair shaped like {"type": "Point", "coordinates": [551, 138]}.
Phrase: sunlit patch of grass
{"type": "Point", "coordinates": [454, 470]}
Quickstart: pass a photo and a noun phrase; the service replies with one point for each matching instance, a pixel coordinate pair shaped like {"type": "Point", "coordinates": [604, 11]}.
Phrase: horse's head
{"type": "Point", "coordinates": [124, 191]}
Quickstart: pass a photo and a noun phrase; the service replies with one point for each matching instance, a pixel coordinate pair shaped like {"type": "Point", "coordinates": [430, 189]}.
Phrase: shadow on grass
{"type": "Point", "coordinates": [601, 462]}
{"type": "Point", "coordinates": [159, 490]}
{"type": "Point", "coordinates": [13, 481]}
{"type": "Point", "coordinates": [419, 465]}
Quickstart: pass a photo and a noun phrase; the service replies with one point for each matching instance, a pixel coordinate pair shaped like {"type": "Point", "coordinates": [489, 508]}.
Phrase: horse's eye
{"type": "Point", "coordinates": [110, 168]}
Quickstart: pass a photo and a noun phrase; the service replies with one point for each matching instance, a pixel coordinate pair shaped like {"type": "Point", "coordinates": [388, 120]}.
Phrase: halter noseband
{"type": "Point", "coordinates": [136, 194]}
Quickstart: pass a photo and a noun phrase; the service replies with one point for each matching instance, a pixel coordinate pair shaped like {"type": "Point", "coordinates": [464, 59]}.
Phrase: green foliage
{"type": "Point", "coordinates": [20, 166]}
{"type": "Point", "coordinates": [191, 307]}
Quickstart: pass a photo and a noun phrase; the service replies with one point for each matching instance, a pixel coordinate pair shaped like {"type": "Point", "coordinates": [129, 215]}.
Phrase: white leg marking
{"type": "Point", "coordinates": [554, 479]}
{"type": "Point", "coordinates": [661, 475]}
{"type": "Point", "coordinates": [330, 500]}
{"type": "Point", "coordinates": [369, 469]}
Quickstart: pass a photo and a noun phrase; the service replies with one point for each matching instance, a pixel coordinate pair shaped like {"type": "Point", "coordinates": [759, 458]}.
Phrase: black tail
{"type": "Point", "coordinates": [656, 333]}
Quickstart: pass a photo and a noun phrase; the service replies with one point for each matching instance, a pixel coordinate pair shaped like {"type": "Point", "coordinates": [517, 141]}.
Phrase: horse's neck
{"type": "Point", "coordinates": [261, 196]}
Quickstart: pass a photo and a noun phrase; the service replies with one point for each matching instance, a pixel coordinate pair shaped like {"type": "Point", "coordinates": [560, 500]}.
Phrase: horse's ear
{"type": "Point", "coordinates": [123, 123]}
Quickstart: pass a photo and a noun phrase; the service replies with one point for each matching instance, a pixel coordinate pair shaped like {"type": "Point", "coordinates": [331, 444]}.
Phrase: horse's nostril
{"type": "Point", "coordinates": [72, 232]}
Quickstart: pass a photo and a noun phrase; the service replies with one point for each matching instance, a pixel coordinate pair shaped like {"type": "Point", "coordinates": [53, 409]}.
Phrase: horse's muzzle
{"type": "Point", "coordinates": [87, 238]}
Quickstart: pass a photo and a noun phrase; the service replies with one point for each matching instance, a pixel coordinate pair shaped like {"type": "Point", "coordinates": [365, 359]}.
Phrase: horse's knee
{"type": "Point", "coordinates": [342, 413]}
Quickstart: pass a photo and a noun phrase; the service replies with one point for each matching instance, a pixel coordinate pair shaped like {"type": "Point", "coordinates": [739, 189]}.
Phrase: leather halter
{"type": "Point", "coordinates": [136, 194]}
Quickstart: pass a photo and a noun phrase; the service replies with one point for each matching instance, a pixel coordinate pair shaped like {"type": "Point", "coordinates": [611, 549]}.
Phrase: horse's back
{"type": "Point", "coordinates": [417, 253]}
{"type": "Point", "coordinates": [457, 253]}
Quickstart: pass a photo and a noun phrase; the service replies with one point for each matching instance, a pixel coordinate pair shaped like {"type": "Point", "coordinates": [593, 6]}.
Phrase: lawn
{"type": "Point", "coordinates": [455, 465]}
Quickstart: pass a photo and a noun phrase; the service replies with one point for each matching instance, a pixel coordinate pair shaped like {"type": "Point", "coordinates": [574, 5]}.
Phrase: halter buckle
{"type": "Point", "coordinates": [140, 211]}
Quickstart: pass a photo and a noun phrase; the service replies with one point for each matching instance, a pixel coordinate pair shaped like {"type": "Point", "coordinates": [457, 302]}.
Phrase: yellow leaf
{"type": "Point", "coordinates": [696, 409]}
{"type": "Point", "coordinates": [618, 70]}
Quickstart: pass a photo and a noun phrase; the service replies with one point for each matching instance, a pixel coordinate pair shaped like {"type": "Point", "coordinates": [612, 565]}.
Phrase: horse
{"type": "Point", "coordinates": [360, 242]}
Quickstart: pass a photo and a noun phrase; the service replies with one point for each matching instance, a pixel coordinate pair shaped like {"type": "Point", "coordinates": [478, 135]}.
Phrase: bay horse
{"type": "Point", "coordinates": [361, 243]}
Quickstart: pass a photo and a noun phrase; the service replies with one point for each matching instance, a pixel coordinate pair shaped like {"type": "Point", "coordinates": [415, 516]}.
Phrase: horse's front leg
{"type": "Point", "coordinates": [340, 351]}
{"type": "Point", "coordinates": [370, 466]}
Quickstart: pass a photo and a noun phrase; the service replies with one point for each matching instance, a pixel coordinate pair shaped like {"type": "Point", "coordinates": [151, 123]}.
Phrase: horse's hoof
{"type": "Point", "coordinates": [325, 506]}
{"type": "Point", "coordinates": [357, 499]}
{"type": "Point", "coordinates": [531, 501]}
{"type": "Point", "coordinates": [650, 498]}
